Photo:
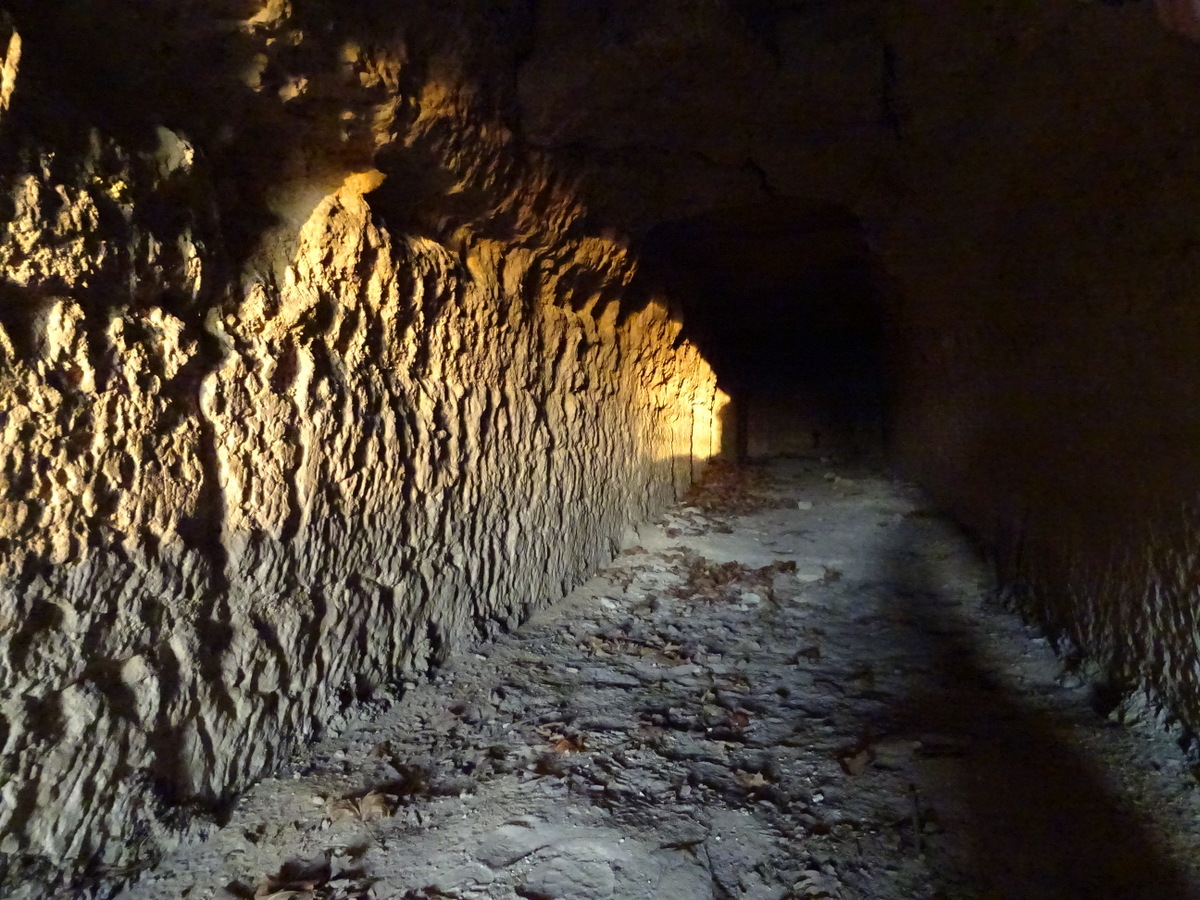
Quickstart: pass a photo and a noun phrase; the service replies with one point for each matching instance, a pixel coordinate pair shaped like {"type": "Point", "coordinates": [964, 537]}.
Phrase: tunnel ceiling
{"type": "Point", "coordinates": [672, 108]}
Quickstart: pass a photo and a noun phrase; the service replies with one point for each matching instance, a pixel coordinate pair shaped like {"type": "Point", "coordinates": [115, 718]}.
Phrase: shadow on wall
{"type": "Point", "coordinates": [786, 300]}
{"type": "Point", "coordinates": [1041, 818]}
{"type": "Point", "coordinates": [1048, 386]}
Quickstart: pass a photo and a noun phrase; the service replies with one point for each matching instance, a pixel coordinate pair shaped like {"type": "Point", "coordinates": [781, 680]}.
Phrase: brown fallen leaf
{"type": "Point", "coordinates": [382, 750]}
{"type": "Point", "coordinates": [648, 731]}
{"type": "Point", "coordinates": [855, 762]}
{"type": "Point", "coordinates": [812, 654]}
{"type": "Point", "coordinates": [739, 719]}
{"type": "Point", "coordinates": [749, 779]}
{"type": "Point", "coordinates": [568, 744]}
{"type": "Point", "coordinates": [297, 879]}
{"type": "Point", "coordinates": [371, 805]}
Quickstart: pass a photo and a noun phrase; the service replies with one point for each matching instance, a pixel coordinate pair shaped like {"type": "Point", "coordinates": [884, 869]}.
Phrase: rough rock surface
{"type": "Point", "coordinates": [795, 687]}
{"type": "Point", "coordinates": [276, 431]}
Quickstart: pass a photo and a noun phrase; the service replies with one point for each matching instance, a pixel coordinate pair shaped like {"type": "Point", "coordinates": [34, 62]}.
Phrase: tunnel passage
{"type": "Point", "coordinates": [318, 354]}
{"type": "Point", "coordinates": [786, 300]}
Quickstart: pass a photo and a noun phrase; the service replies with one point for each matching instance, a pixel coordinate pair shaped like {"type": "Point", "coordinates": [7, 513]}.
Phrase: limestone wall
{"type": "Point", "coordinates": [1047, 341]}
{"type": "Point", "coordinates": [263, 451]}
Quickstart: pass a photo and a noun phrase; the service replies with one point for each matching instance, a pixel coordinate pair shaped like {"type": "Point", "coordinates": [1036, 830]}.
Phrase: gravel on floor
{"type": "Point", "coordinates": [796, 685]}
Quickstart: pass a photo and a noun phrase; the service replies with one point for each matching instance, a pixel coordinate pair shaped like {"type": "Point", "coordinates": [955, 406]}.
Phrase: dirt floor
{"type": "Point", "coordinates": [795, 687]}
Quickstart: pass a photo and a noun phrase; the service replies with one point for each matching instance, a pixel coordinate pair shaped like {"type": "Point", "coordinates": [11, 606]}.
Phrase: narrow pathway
{"type": "Point", "coordinates": [793, 688]}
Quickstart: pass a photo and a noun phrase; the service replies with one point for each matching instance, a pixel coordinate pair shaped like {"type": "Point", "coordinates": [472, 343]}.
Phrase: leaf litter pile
{"type": "Point", "coordinates": [793, 686]}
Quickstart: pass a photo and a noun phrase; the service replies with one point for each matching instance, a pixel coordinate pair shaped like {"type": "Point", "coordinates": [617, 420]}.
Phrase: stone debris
{"type": "Point", "coordinates": [703, 720]}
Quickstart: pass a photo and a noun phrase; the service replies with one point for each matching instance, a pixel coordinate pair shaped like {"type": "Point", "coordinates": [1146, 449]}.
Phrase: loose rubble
{"type": "Point", "coordinates": [793, 686]}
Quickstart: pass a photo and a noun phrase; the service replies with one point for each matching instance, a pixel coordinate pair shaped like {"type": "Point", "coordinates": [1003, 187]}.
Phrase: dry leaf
{"type": "Point", "coordinates": [739, 719]}
{"type": "Point", "coordinates": [568, 744]}
{"type": "Point", "coordinates": [749, 779]}
{"type": "Point", "coordinates": [375, 805]}
{"type": "Point", "coordinates": [812, 654]}
{"type": "Point", "coordinates": [651, 732]}
{"type": "Point", "coordinates": [372, 805]}
{"type": "Point", "coordinates": [856, 762]}
{"type": "Point", "coordinates": [382, 750]}
{"type": "Point", "coordinates": [297, 879]}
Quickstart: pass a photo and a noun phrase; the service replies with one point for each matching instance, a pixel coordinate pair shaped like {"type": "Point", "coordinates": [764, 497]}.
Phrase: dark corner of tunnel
{"type": "Point", "coordinates": [789, 303]}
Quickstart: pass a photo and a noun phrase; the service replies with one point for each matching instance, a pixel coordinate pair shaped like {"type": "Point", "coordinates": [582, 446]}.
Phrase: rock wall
{"type": "Point", "coordinates": [1048, 387]}
{"type": "Point", "coordinates": [308, 372]}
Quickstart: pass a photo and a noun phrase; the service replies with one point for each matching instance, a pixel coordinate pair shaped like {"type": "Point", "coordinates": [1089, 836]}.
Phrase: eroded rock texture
{"type": "Point", "coordinates": [307, 370]}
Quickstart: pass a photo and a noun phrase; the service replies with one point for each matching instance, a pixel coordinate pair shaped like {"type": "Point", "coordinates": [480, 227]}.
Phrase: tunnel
{"type": "Point", "coordinates": [786, 302]}
{"type": "Point", "coordinates": [701, 448]}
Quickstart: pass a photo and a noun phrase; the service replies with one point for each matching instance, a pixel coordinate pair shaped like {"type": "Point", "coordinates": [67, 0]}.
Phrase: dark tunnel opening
{"type": "Point", "coordinates": [787, 301]}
